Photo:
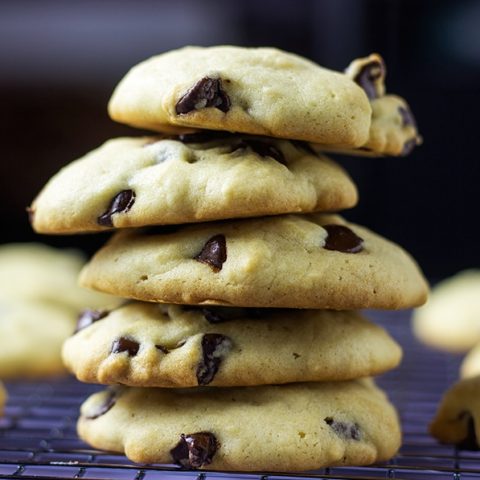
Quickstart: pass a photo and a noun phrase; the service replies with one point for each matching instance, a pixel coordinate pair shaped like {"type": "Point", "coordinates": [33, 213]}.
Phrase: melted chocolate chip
{"type": "Point", "coordinates": [214, 346]}
{"type": "Point", "coordinates": [163, 349]}
{"type": "Point", "coordinates": [195, 450]}
{"type": "Point", "coordinates": [107, 404]}
{"type": "Point", "coordinates": [214, 253]}
{"type": "Point", "coordinates": [262, 148]}
{"type": "Point", "coordinates": [408, 147]}
{"type": "Point", "coordinates": [346, 430]}
{"type": "Point", "coordinates": [407, 117]}
{"type": "Point", "coordinates": [342, 239]}
{"type": "Point", "coordinates": [87, 317]}
{"type": "Point", "coordinates": [121, 203]}
{"type": "Point", "coordinates": [124, 344]}
{"type": "Point", "coordinates": [207, 92]}
{"type": "Point", "coordinates": [470, 440]}
{"type": "Point", "coordinates": [368, 76]}
{"type": "Point", "coordinates": [204, 136]}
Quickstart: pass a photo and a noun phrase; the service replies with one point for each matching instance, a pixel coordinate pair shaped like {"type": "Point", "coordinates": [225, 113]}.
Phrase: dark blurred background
{"type": "Point", "coordinates": [60, 60]}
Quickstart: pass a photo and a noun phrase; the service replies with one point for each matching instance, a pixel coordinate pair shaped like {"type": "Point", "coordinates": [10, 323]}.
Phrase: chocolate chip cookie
{"type": "Point", "coordinates": [458, 417]}
{"type": "Point", "coordinates": [155, 345]}
{"type": "Point", "coordinates": [451, 318]}
{"type": "Point", "coordinates": [270, 428]}
{"type": "Point", "coordinates": [261, 91]}
{"type": "Point", "coordinates": [191, 178]}
{"type": "Point", "coordinates": [293, 261]}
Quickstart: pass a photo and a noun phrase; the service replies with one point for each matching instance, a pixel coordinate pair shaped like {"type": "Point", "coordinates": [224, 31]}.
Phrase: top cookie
{"type": "Point", "coordinates": [261, 91]}
{"type": "Point", "coordinates": [192, 178]}
{"type": "Point", "coordinates": [297, 261]}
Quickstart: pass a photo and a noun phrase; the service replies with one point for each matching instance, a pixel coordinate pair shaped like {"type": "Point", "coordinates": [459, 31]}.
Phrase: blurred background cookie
{"type": "Point", "coordinates": [451, 318]}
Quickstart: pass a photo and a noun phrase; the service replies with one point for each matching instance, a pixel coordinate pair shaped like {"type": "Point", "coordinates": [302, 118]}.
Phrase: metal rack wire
{"type": "Point", "coordinates": [38, 439]}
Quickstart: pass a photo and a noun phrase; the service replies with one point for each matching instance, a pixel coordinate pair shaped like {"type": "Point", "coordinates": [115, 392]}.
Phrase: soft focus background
{"type": "Point", "coordinates": [60, 60]}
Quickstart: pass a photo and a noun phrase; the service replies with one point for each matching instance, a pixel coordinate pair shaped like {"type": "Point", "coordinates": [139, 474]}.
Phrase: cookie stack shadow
{"type": "Point", "coordinates": [241, 347]}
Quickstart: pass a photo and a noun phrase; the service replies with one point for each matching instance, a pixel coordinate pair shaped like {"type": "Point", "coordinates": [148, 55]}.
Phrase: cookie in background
{"type": "Point", "coordinates": [39, 305]}
{"type": "Point", "coordinates": [450, 320]}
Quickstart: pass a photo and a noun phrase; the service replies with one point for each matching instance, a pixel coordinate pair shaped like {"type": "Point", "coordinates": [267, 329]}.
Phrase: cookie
{"type": "Point", "coordinates": [451, 318]}
{"type": "Point", "coordinates": [152, 345]}
{"type": "Point", "coordinates": [457, 420]}
{"type": "Point", "coordinates": [269, 428]}
{"type": "Point", "coordinates": [292, 261]}
{"type": "Point", "coordinates": [393, 129]}
{"type": "Point", "coordinates": [31, 338]}
{"type": "Point", "coordinates": [260, 91]}
{"type": "Point", "coordinates": [3, 397]}
{"type": "Point", "coordinates": [191, 178]}
{"type": "Point", "coordinates": [471, 363]}
{"type": "Point", "coordinates": [32, 271]}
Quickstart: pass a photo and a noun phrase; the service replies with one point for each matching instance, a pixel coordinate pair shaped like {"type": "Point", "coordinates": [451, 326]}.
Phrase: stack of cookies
{"type": "Point", "coordinates": [255, 315]}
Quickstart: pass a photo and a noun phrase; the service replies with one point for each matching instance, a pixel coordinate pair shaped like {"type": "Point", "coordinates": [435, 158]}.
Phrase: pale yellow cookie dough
{"type": "Point", "coordinates": [262, 91]}
{"type": "Point", "coordinates": [270, 428]}
{"type": "Point", "coordinates": [268, 262]}
{"type": "Point", "coordinates": [177, 181]}
{"type": "Point", "coordinates": [255, 347]}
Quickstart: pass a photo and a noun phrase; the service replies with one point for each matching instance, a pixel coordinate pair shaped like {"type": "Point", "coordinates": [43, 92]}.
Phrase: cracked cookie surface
{"type": "Point", "coordinates": [269, 428]}
{"type": "Point", "coordinates": [199, 177]}
{"type": "Point", "coordinates": [172, 346]}
{"type": "Point", "coordinates": [296, 261]}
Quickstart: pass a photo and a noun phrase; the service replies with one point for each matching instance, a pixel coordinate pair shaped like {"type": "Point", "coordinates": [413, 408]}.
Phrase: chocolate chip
{"type": "Point", "coordinates": [408, 147]}
{"type": "Point", "coordinates": [107, 404]}
{"type": "Point", "coordinates": [214, 347]}
{"type": "Point", "coordinates": [407, 117]}
{"type": "Point", "coordinates": [195, 450]}
{"type": "Point", "coordinates": [346, 430]}
{"type": "Point", "coordinates": [470, 440]}
{"type": "Point", "coordinates": [204, 136]}
{"type": "Point", "coordinates": [214, 253]}
{"type": "Point", "coordinates": [125, 344]}
{"type": "Point", "coordinates": [87, 317]}
{"type": "Point", "coordinates": [262, 148]}
{"type": "Point", "coordinates": [369, 76]}
{"type": "Point", "coordinates": [207, 92]}
{"type": "Point", "coordinates": [342, 239]}
{"type": "Point", "coordinates": [121, 203]}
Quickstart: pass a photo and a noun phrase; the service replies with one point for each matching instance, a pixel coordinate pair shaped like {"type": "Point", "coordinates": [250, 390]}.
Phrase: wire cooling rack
{"type": "Point", "coordinates": [38, 439]}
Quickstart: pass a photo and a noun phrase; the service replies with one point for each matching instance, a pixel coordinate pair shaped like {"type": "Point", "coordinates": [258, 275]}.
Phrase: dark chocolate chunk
{"type": "Point", "coordinates": [195, 450]}
{"type": "Point", "coordinates": [214, 346]}
{"type": "Point", "coordinates": [470, 441]}
{"type": "Point", "coordinates": [408, 147]}
{"type": "Point", "coordinates": [262, 148]}
{"type": "Point", "coordinates": [121, 203]}
{"type": "Point", "coordinates": [87, 317]}
{"type": "Point", "coordinates": [407, 117]}
{"type": "Point", "coordinates": [125, 344]}
{"type": "Point", "coordinates": [107, 404]}
{"type": "Point", "coordinates": [207, 92]}
{"type": "Point", "coordinates": [214, 253]}
{"type": "Point", "coordinates": [342, 239]}
{"type": "Point", "coordinates": [369, 75]}
{"type": "Point", "coordinates": [346, 430]}
{"type": "Point", "coordinates": [204, 136]}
